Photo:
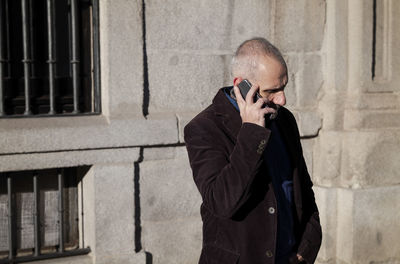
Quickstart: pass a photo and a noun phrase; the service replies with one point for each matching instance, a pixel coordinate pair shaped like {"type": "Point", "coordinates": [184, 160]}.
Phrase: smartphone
{"type": "Point", "coordinates": [244, 87]}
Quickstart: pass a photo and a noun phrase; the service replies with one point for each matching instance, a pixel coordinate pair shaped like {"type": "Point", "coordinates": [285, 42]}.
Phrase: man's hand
{"type": "Point", "coordinates": [250, 111]}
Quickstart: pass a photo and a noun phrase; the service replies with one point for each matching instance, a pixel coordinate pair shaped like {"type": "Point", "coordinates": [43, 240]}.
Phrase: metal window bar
{"type": "Point", "coordinates": [12, 255]}
{"type": "Point", "coordinates": [36, 215]}
{"type": "Point", "coordinates": [27, 56]}
{"type": "Point", "coordinates": [61, 210]}
{"type": "Point", "coordinates": [2, 58]}
{"type": "Point", "coordinates": [31, 37]}
{"type": "Point", "coordinates": [10, 220]}
{"type": "Point", "coordinates": [75, 53]}
{"type": "Point", "coordinates": [96, 57]}
{"type": "Point", "coordinates": [52, 51]}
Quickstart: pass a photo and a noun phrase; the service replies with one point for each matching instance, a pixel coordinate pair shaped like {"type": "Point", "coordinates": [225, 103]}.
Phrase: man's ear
{"type": "Point", "coordinates": [237, 80]}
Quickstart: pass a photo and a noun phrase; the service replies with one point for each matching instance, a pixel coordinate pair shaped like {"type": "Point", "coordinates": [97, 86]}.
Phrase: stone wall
{"type": "Point", "coordinates": [163, 61]}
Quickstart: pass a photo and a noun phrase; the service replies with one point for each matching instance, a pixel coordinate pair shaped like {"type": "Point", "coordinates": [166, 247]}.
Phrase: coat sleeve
{"type": "Point", "coordinates": [224, 179]}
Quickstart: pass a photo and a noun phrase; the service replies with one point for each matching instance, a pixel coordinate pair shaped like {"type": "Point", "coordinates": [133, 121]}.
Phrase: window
{"type": "Point", "coordinates": [39, 216]}
{"type": "Point", "coordinates": [49, 58]}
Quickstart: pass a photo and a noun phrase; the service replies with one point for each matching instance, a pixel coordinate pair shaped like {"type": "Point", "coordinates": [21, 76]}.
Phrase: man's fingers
{"type": "Point", "coordinates": [239, 97]}
{"type": "Point", "coordinates": [268, 110]}
{"type": "Point", "coordinates": [251, 93]}
{"type": "Point", "coordinates": [260, 102]}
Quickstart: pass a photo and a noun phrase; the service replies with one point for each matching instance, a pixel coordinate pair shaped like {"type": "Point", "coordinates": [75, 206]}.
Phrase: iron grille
{"type": "Point", "coordinates": [39, 216]}
{"type": "Point", "coordinates": [49, 58]}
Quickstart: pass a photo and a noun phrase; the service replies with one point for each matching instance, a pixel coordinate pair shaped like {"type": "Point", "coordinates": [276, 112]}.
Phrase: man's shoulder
{"type": "Point", "coordinates": [209, 114]}
{"type": "Point", "coordinates": [202, 120]}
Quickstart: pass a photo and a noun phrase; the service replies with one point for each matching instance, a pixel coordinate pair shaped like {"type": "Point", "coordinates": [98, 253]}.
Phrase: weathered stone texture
{"type": "Point", "coordinates": [327, 159]}
{"type": "Point", "coordinates": [191, 24]}
{"type": "Point", "coordinates": [371, 159]}
{"type": "Point", "coordinates": [326, 199]}
{"type": "Point", "coordinates": [121, 56]}
{"type": "Point", "coordinates": [378, 230]}
{"type": "Point", "coordinates": [167, 189]}
{"type": "Point", "coordinates": [170, 206]}
{"type": "Point", "coordinates": [311, 81]}
{"type": "Point", "coordinates": [183, 120]}
{"type": "Point", "coordinates": [292, 62]}
{"type": "Point", "coordinates": [308, 149]}
{"type": "Point", "coordinates": [67, 159]}
{"type": "Point", "coordinates": [251, 19]}
{"type": "Point", "coordinates": [205, 25]}
{"type": "Point", "coordinates": [173, 241]}
{"type": "Point", "coordinates": [109, 214]}
{"type": "Point", "coordinates": [299, 25]}
{"type": "Point", "coordinates": [184, 82]}
{"type": "Point", "coordinates": [73, 133]}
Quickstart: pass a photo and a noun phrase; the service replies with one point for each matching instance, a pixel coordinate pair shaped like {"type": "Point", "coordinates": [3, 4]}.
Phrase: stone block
{"type": "Point", "coordinates": [251, 19]}
{"type": "Point", "coordinates": [371, 158]}
{"type": "Point", "coordinates": [121, 56]}
{"type": "Point", "coordinates": [299, 25]}
{"type": "Point", "coordinates": [193, 25]}
{"type": "Point", "coordinates": [157, 153]}
{"type": "Point", "coordinates": [326, 199]}
{"type": "Point", "coordinates": [167, 189]}
{"type": "Point", "coordinates": [310, 82]}
{"type": "Point", "coordinates": [173, 241]}
{"type": "Point", "coordinates": [309, 123]}
{"type": "Point", "coordinates": [327, 159]}
{"type": "Point", "coordinates": [331, 108]}
{"type": "Point", "coordinates": [114, 223]}
{"type": "Point", "coordinates": [308, 149]}
{"type": "Point", "coordinates": [292, 63]}
{"type": "Point", "coordinates": [371, 119]}
{"type": "Point", "coordinates": [368, 226]}
{"type": "Point", "coordinates": [183, 120]}
{"type": "Point", "coordinates": [184, 82]}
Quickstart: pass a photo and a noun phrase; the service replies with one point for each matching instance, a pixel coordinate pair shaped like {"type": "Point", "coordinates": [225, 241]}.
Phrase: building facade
{"type": "Point", "coordinates": [162, 62]}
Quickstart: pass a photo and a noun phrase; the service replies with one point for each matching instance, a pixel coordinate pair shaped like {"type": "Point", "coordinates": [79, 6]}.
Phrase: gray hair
{"type": "Point", "coordinates": [245, 60]}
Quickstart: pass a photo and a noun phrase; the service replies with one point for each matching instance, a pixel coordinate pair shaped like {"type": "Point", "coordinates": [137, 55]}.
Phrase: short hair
{"type": "Point", "coordinates": [245, 61]}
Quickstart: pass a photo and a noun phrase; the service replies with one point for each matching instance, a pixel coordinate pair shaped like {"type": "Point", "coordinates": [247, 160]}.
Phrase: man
{"type": "Point", "coordinates": [258, 204]}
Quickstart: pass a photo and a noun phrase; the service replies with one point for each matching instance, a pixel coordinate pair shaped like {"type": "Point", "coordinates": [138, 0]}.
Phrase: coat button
{"type": "Point", "coordinates": [271, 210]}
{"type": "Point", "coordinates": [269, 253]}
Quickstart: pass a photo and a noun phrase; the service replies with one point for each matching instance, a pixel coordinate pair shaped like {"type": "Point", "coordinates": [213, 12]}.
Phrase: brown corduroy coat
{"type": "Point", "coordinates": [239, 207]}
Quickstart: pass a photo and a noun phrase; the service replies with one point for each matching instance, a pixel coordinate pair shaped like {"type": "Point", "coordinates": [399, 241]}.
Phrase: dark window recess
{"type": "Point", "coordinates": [39, 216]}
{"type": "Point", "coordinates": [49, 61]}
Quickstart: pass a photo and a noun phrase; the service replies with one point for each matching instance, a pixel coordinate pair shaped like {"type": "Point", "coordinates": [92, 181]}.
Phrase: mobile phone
{"type": "Point", "coordinates": [244, 87]}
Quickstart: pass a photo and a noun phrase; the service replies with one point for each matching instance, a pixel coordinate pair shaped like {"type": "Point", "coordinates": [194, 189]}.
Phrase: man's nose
{"type": "Point", "coordinates": [279, 98]}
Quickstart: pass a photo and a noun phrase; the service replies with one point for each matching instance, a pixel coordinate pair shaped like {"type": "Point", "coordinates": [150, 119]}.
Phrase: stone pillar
{"type": "Point", "coordinates": [356, 156]}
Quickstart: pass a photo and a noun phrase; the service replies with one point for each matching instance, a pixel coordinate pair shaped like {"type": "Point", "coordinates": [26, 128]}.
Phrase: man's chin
{"type": "Point", "coordinates": [274, 114]}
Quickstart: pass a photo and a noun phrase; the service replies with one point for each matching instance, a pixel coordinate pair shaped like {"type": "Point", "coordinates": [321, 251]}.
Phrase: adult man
{"type": "Point", "coordinates": [247, 162]}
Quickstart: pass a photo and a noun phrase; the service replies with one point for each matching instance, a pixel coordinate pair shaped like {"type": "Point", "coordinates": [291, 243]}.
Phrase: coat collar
{"type": "Point", "coordinates": [230, 117]}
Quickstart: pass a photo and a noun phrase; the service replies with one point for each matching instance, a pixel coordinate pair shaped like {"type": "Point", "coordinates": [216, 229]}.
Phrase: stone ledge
{"type": "Point", "coordinates": [85, 259]}
{"type": "Point", "coordinates": [74, 133]}
{"type": "Point", "coordinates": [67, 159]}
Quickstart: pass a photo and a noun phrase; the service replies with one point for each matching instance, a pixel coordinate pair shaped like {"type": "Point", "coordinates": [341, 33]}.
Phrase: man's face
{"type": "Point", "coordinates": [271, 76]}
